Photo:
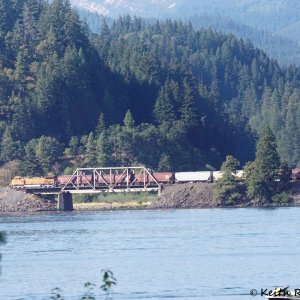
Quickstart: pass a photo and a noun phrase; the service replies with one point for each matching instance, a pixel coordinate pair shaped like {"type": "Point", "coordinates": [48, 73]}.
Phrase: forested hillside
{"type": "Point", "coordinates": [161, 94]}
{"type": "Point", "coordinates": [286, 51]}
{"type": "Point", "coordinates": [273, 26]}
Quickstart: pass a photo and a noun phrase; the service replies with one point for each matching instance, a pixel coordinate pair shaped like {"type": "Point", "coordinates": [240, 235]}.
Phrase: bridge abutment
{"type": "Point", "coordinates": [65, 201]}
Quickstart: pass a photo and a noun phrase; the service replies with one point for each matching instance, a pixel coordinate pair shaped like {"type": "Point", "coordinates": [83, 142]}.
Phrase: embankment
{"type": "Point", "coordinates": [16, 201]}
{"type": "Point", "coordinates": [199, 195]}
{"type": "Point", "coordinates": [189, 195]}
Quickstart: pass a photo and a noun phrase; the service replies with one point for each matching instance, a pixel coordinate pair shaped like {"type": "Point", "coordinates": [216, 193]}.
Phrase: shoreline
{"type": "Point", "coordinates": [95, 207]}
{"type": "Point", "coordinates": [181, 196]}
{"type": "Point", "coordinates": [92, 207]}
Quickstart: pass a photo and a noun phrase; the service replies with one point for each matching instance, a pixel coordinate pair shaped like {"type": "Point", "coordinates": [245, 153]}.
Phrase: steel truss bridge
{"type": "Point", "coordinates": [143, 181]}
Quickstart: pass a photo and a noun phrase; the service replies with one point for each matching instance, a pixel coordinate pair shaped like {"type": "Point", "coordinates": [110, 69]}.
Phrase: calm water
{"type": "Point", "coordinates": [177, 254]}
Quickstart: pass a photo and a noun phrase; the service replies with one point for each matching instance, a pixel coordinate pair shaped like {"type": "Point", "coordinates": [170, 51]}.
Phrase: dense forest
{"type": "Point", "coordinates": [285, 50]}
{"type": "Point", "coordinates": [162, 94]}
{"type": "Point", "coordinates": [271, 25]}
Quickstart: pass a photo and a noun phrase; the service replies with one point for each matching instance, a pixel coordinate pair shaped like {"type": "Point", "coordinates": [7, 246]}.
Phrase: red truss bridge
{"type": "Point", "coordinates": [110, 180]}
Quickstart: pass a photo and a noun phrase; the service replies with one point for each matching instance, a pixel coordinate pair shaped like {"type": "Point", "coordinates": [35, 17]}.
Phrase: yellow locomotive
{"type": "Point", "coordinates": [32, 182]}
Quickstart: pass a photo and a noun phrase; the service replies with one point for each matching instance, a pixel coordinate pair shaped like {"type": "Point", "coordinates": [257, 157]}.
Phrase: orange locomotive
{"type": "Point", "coordinates": [33, 182]}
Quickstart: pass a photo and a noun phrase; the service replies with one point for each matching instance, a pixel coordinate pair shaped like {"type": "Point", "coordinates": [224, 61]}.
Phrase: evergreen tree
{"type": "Point", "coordinates": [48, 151]}
{"type": "Point", "coordinates": [73, 148]}
{"type": "Point", "coordinates": [104, 150]}
{"type": "Point", "coordinates": [29, 166]}
{"type": "Point", "coordinates": [10, 149]}
{"type": "Point", "coordinates": [90, 155]}
{"type": "Point", "coordinates": [164, 108]}
{"type": "Point", "coordinates": [228, 188]}
{"type": "Point", "coordinates": [100, 125]}
{"type": "Point", "coordinates": [189, 111]}
{"type": "Point", "coordinates": [164, 164]}
{"type": "Point", "coordinates": [22, 125]}
{"type": "Point", "coordinates": [262, 174]}
{"type": "Point", "coordinates": [128, 120]}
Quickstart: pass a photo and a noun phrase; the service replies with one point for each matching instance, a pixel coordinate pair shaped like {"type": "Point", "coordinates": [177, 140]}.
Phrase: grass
{"type": "Point", "coordinates": [113, 201]}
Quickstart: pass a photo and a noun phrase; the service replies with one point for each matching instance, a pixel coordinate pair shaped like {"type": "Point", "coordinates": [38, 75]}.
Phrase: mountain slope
{"type": "Point", "coordinates": [272, 15]}
{"type": "Point", "coordinates": [271, 25]}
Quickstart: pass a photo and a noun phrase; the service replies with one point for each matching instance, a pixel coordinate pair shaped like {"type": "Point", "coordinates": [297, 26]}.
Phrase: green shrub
{"type": "Point", "coordinates": [281, 198]}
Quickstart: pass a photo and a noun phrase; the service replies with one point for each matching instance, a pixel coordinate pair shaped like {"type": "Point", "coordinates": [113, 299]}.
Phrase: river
{"type": "Point", "coordinates": [168, 254]}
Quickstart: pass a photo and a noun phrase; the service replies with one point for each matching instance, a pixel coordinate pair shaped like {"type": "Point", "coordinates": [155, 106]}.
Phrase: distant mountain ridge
{"type": "Point", "coordinates": [272, 15]}
{"type": "Point", "coordinates": [283, 46]}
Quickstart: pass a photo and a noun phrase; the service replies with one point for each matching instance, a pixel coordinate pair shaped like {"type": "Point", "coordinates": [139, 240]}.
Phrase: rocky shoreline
{"type": "Point", "coordinates": [180, 196]}
{"type": "Point", "coordinates": [17, 201]}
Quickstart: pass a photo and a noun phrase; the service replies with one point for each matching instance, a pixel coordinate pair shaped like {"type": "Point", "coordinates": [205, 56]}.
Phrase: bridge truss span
{"type": "Point", "coordinates": [115, 179]}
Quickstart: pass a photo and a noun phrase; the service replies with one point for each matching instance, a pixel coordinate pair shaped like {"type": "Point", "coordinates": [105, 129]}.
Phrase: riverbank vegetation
{"type": "Point", "coordinates": [162, 95]}
{"type": "Point", "coordinates": [91, 293]}
{"type": "Point", "coordinates": [113, 197]}
{"type": "Point", "coordinates": [266, 179]}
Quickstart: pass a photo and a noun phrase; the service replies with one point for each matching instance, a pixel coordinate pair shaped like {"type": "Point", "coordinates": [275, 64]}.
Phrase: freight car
{"type": "Point", "coordinates": [67, 180]}
{"type": "Point", "coordinates": [162, 178]}
{"type": "Point", "coordinates": [103, 180]}
{"type": "Point", "coordinates": [218, 175]}
{"type": "Point", "coordinates": [204, 176]}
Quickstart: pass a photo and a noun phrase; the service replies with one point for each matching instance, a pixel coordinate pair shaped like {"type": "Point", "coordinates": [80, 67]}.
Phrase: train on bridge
{"type": "Point", "coordinates": [130, 178]}
{"type": "Point", "coordinates": [118, 180]}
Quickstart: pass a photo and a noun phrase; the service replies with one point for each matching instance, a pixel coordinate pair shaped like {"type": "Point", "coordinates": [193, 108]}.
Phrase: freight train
{"type": "Point", "coordinates": [117, 180]}
{"type": "Point", "coordinates": [85, 181]}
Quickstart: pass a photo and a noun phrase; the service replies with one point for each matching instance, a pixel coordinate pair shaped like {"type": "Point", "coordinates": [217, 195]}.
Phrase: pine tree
{"type": "Point", "coordinates": [6, 19]}
{"type": "Point", "coordinates": [164, 164]}
{"type": "Point", "coordinates": [262, 174]}
{"type": "Point", "coordinates": [90, 155]}
{"type": "Point", "coordinates": [48, 151]}
{"type": "Point", "coordinates": [100, 125]}
{"type": "Point", "coordinates": [164, 108]}
{"type": "Point", "coordinates": [22, 120]}
{"type": "Point", "coordinates": [9, 148]}
{"type": "Point", "coordinates": [128, 120]}
{"type": "Point", "coordinates": [20, 70]}
{"type": "Point", "coordinates": [189, 111]}
{"type": "Point", "coordinates": [30, 16]}
{"type": "Point", "coordinates": [30, 166]}
{"type": "Point", "coordinates": [104, 150]}
{"type": "Point", "coordinates": [228, 189]}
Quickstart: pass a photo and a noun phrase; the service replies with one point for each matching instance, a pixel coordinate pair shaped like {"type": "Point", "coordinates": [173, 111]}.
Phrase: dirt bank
{"type": "Point", "coordinates": [16, 201]}
{"type": "Point", "coordinates": [189, 195]}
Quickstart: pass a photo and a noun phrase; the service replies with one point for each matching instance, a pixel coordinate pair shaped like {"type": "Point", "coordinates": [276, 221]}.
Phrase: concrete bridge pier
{"type": "Point", "coordinates": [160, 189]}
{"type": "Point", "coordinates": [65, 201]}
